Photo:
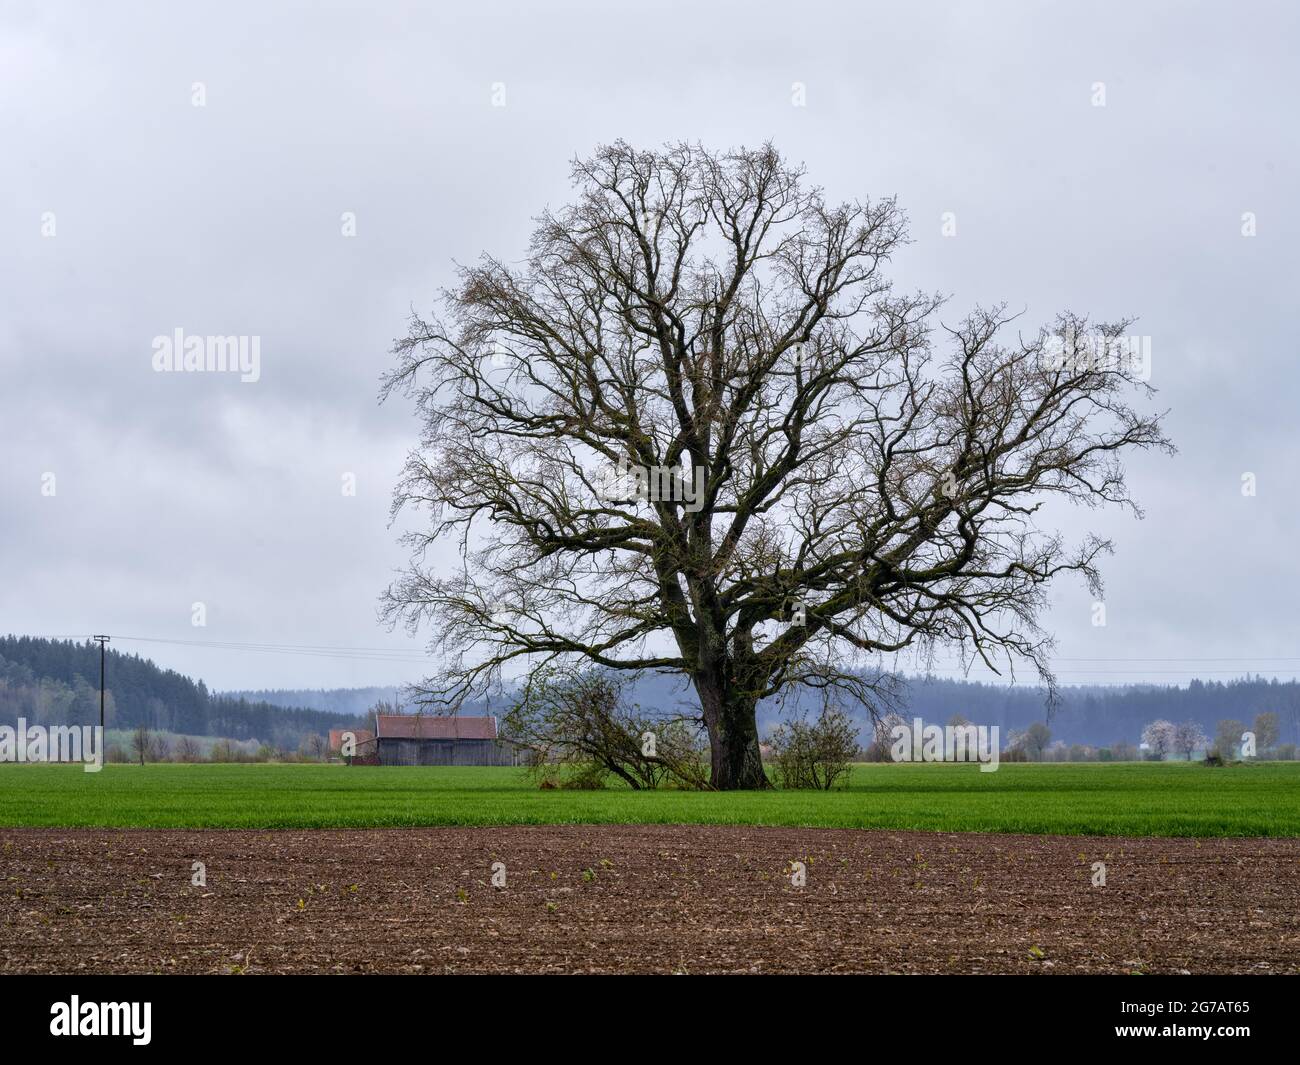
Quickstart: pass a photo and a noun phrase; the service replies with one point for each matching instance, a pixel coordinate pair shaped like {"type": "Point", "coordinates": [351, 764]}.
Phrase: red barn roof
{"type": "Point", "coordinates": [435, 727]}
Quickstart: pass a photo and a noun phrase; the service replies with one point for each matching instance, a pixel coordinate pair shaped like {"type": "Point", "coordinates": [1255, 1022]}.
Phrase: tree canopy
{"type": "Point", "coordinates": [810, 470]}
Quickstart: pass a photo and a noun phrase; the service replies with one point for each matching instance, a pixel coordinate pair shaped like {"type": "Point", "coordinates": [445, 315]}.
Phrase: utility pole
{"type": "Point", "coordinates": [102, 640]}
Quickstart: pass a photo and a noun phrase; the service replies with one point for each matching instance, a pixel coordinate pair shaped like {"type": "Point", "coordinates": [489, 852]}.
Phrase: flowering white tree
{"type": "Point", "coordinates": [1159, 736]}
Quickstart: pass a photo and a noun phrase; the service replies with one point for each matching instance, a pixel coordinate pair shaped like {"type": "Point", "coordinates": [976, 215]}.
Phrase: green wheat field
{"type": "Point", "coordinates": [1128, 799]}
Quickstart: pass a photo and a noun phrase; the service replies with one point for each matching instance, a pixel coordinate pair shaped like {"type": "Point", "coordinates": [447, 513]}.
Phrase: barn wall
{"type": "Point", "coordinates": [402, 751]}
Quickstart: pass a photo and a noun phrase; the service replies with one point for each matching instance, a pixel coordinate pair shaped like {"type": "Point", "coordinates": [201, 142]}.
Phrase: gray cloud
{"type": "Point", "coordinates": [225, 219]}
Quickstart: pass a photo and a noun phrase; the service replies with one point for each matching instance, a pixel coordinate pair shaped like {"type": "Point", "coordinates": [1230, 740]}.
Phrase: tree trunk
{"type": "Point", "coordinates": [731, 720]}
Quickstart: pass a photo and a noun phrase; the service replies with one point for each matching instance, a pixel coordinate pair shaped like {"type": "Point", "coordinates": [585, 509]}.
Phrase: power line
{"type": "Point", "coordinates": [1259, 658]}
{"type": "Point", "coordinates": [376, 654]}
{"type": "Point", "coordinates": [986, 672]}
{"type": "Point", "coordinates": [400, 655]}
{"type": "Point", "coordinates": [334, 648]}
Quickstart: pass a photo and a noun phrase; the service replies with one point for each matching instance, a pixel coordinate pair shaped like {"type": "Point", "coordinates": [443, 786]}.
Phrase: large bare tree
{"type": "Point", "coordinates": [843, 487]}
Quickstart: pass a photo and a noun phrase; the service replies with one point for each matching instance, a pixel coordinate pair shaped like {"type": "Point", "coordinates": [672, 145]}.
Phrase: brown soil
{"type": "Point", "coordinates": [658, 898]}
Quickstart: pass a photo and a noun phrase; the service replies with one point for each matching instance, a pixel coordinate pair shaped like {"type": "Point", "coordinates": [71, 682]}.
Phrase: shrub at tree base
{"type": "Point", "coordinates": [817, 754]}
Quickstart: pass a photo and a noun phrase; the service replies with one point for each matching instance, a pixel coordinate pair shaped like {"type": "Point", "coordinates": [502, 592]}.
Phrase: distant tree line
{"type": "Point", "coordinates": [55, 682]}
{"type": "Point", "coordinates": [143, 745]}
{"type": "Point", "coordinates": [1160, 740]}
{"type": "Point", "coordinates": [1090, 715]}
{"type": "Point", "coordinates": [352, 701]}
{"type": "Point", "coordinates": [1098, 716]}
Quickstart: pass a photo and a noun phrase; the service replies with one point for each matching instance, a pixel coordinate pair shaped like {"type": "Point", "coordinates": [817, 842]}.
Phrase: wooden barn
{"type": "Point", "coordinates": [425, 739]}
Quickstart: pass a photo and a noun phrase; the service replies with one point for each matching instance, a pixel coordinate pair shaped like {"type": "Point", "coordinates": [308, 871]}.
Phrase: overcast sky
{"type": "Point", "coordinates": [126, 212]}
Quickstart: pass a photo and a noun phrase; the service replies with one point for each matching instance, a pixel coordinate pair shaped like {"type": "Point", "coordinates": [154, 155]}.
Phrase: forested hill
{"type": "Point", "coordinates": [1092, 714]}
{"type": "Point", "coordinates": [56, 682]}
{"type": "Point", "coordinates": [354, 701]}
{"type": "Point", "coordinates": [1104, 714]}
